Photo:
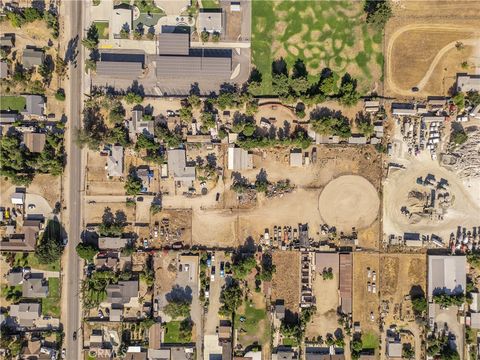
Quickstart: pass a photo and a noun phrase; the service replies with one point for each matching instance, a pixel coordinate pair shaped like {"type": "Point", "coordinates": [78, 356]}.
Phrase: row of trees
{"type": "Point", "coordinates": [20, 165]}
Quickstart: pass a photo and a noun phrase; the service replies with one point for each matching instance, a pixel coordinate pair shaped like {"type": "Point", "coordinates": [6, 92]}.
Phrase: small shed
{"type": "Point", "coordinates": [296, 158]}
{"type": "Point", "coordinates": [18, 198]}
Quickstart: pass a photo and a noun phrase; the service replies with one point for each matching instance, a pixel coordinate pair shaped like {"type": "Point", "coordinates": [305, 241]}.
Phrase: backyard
{"type": "Point", "coordinates": [369, 341]}
{"type": "Point", "coordinates": [149, 14]}
{"type": "Point", "coordinates": [249, 322]}
{"type": "Point", "coordinates": [51, 304]}
{"type": "Point", "coordinates": [13, 103]}
{"type": "Point", "coordinates": [322, 33]}
{"type": "Point", "coordinates": [24, 259]}
{"type": "Point", "coordinates": [173, 334]}
{"type": "Point", "coordinates": [210, 4]}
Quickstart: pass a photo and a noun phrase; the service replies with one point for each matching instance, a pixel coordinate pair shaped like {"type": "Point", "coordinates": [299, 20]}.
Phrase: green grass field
{"type": "Point", "coordinates": [251, 330]}
{"type": "Point", "coordinates": [370, 340]}
{"type": "Point", "coordinates": [147, 6]}
{"type": "Point", "coordinates": [14, 103]}
{"type": "Point", "coordinates": [102, 27]}
{"type": "Point", "coordinates": [210, 4]}
{"type": "Point", "coordinates": [51, 304]}
{"type": "Point", "coordinates": [172, 331]}
{"type": "Point", "coordinates": [322, 33]}
{"type": "Point", "coordinates": [29, 259]}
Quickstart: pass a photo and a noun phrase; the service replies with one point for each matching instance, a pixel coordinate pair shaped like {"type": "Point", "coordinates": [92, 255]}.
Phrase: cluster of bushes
{"type": "Point", "coordinates": [20, 165]}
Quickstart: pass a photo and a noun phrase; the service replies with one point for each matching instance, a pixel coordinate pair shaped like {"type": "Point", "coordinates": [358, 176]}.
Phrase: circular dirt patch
{"type": "Point", "coordinates": [349, 201]}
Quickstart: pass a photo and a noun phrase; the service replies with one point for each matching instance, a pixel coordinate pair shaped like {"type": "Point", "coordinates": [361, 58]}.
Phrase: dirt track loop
{"type": "Point", "coordinates": [474, 41]}
{"type": "Point", "coordinates": [349, 201]}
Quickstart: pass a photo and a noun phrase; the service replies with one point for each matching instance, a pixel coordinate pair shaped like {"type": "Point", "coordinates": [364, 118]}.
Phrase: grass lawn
{"type": "Point", "coordinates": [51, 304]}
{"type": "Point", "coordinates": [322, 33]}
{"type": "Point", "coordinates": [172, 333]}
{"type": "Point", "coordinates": [102, 27]}
{"type": "Point", "coordinates": [12, 103]}
{"type": "Point", "coordinates": [290, 342]}
{"type": "Point", "coordinates": [147, 6]}
{"type": "Point", "coordinates": [29, 259]}
{"type": "Point", "coordinates": [370, 341]}
{"type": "Point", "coordinates": [5, 290]}
{"type": "Point", "coordinates": [210, 4]}
{"type": "Point", "coordinates": [254, 327]}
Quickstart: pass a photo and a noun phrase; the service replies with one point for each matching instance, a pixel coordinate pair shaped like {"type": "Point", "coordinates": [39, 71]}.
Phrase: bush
{"type": "Point", "coordinates": [86, 251]}
{"type": "Point", "coordinates": [60, 95]}
{"type": "Point", "coordinates": [50, 247]}
{"type": "Point", "coordinates": [458, 136]}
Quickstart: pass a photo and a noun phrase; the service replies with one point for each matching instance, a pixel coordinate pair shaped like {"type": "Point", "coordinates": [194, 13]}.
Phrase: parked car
{"type": "Point", "coordinates": [222, 269]}
{"type": "Point", "coordinates": [74, 336]}
{"type": "Point", "coordinates": [374, 288]}
{"type": "Point", "coordinates": [31, 206]}
{"type": "Point", "coordinates": [217, 197]}
{"type": "Point", "coordinates": [100, 314]}
{"type": "Point", "coordinates": [212, 274]}
{"type": "Point", "coordinates": [374, 276]}
{"type": "Point", "coordinates": [369, 273]}
{"type": "Point", "coordinates": [369, 287]}
{"type": "Point", "coordinates": [415, 89]}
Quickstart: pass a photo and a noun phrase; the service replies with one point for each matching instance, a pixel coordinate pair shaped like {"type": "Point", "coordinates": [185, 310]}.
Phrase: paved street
{"type": "Point", "coordinates": [72, 272]}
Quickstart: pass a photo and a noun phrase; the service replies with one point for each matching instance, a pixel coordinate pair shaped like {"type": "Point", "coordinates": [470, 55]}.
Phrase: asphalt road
{"type": "Point", "coordinates": [72, 276]}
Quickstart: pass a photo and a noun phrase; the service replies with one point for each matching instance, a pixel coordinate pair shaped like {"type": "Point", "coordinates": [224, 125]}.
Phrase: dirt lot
{"type": "Point", "coordinates": [463, 211]}
{"type": "Point", "coordinates": [286, 280]}
{"type": "Point", "coordinates": [421, 45]}
{"type": "Point", "coordinates": [45, 185]}
{"type": "Point", "coordinates": [94, 212]}
{"type": "Point", "coordinates": [364, 302]}
{"type": "Point", "coordinates": [173, 226]}
{"type": "Point", "coordinates": [97, 181]}
{"type": "Point", "coordinates": [325, 320]}
{"type": "Point", "coordinates": [401, 274]}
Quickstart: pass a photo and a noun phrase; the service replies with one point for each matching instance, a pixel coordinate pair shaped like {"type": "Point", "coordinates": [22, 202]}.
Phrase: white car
{"type": "Point", "coordinates": [207, 294]}
{"type": "Point", "coordinates": [374, 288]}
{"type": "Point", "coordinates": [369, 273]}
{"type": "Point", "coordinates": [369, 287]}
{"type": "Point", "coordinates": [372, 317]}
{"type": "Point", "coordinates": [374, 276]}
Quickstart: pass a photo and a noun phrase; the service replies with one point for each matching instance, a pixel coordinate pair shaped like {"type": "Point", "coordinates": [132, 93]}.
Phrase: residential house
{"type": "Point", "coordinates": [357, 140]}
{"type": "Point", "coordinates": [35, 106]}
{"type": "Point", "coordinates": [178, 169]}
{"type": "Point", "coordinates": [137, 125]}
{"type": "Point", "coordinates": [394, 350]}
{"type": "Point", "coordinates": [8, 118]}
{"type": "Point", "coordinates": [135, 353]}
{"type": "Point", "coordinates": [35, 142]}
{"type": "Point", "coordinates": [35, 286]}
{"type": "Point", "coordinates": [15, 277]}
{"type": "Point", "coordinates": [284, 354]}
{"type": "Point", "coordinates": [158, 354]}
{"type": "Point", "coordinates": [115, 162]}
{"type": "Point", "coordinates": [18, 198]}
{"type": "Point", "coordinates": [122, 18]}
{"type": "Point", "coordinates": [239, 159]}
{"type": "Point", "coordinates": [25, 314]}
{"type": "Point", "coordinates": [210, 21]}
{"type": "Point", "coordinates": [32, 57]}
{"type": "Point", "coordinates": [7, 40]}
{"type": "Point", "coordinates": [123, 292]}
{"type": "Point", "coordinates": [23, 241]}
{"type": "Point", "coordinates": [475, 321]}
{"type": "Point", "coordinates": [116, 314]}
{"type": "Point", "coordinates": [146, 175]}
{"type": "Point", "coordinates": [466, 83]}
{"type": "Point", "coordinates": [4, 70]}
{"type": "Point", "coordinates": [403, 109]}
{"type": "Point", "coordinates": [110, 262]}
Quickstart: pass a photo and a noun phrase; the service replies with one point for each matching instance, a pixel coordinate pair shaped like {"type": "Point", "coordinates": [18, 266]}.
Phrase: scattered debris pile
{"type": "Point", "coordinates": [279, 188]}
{"type": "Point", "coordinates": [465, 158]}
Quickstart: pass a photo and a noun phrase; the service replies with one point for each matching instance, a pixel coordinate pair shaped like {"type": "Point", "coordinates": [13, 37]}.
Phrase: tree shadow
{"type": "Point", "coordinates": [212, 160]}
{"type": "Point", "coordinates": [195, 89]}
{"type": "Point", "coordinates": [299, 69]}
{"type": "Point", "coordinates": [180, 294]}
{"type": "Point", "coordinates": [262, 176]}
{"type": "Point", "coordinates": [279, 67]}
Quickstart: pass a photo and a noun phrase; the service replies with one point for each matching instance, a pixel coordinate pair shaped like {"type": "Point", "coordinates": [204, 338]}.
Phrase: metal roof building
{"type": "Point", "coordinates": [466, 82]}
{"type": "Point", "coordinates": [446, 274]}
{"type": "Point", "coordinates": [35, 142]}
{"type": "Point", "coordinates": [119, 69]}
{"type": "Point", "coordinates": [345, 282]}
{"type": "Point", "coordinates": [32, 57]}
{"type": "Point", "coordinates": [239, 159]}
{"type": "Point", "coordinates": [210, 21]}
{"type": "Point", "coordinates": [173, 43]}
{"type": "Point", "coordinates": [185, 66]}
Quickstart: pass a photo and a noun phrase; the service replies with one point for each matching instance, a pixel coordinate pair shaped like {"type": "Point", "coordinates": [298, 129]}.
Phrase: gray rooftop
{"type": "Point", "coordinates": [239, 159]}
{"type": "Point", "coordinates": [122, 292]}
{"type": "Point", "coordinates": [25, 313]}
{"type": "Point", "coordinates": [35, 105]}
{"type": "Point", "coordinates": [36, 286]}
{"type": "Point", "coordinates": [466, 82]}
{"type": "Point", "coordinates": [446, 274]}
{"type": "Point", "coordinates": [119, 69]}
{"type": "Point", "coordinates": [3, 69]}
{"type": "Point", "coordinates": [115, 161]}
{"type": "Point", "coordinates": [177, 166]}
{"type": "Point", "coordinates": [173, 43]}
{"type": "Point", "coordinates": [210, 21]}
{"type": "Point", "coordinates": [32, 57]}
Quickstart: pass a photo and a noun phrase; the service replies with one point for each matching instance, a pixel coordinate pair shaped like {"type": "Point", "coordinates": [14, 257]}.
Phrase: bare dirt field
{"type": "Point", "coordinates": [97, 180]}
{"type": "Point", "coordinates": [325, 320]}
{"type": "Point", "coordinates": [421, 46]}
{"type": "Point", "coordinates": [94, 212]}
{"type": "Point", "coordinates": [349, 201]}
{"type": "Point", "coordinates": [286, 280]}
{"type": "Point", "coordinates": [462, 212]}
{"type": "Point", "coordinates": [366, 303]}
{"type": "Point", "coordinates": [45, 185]}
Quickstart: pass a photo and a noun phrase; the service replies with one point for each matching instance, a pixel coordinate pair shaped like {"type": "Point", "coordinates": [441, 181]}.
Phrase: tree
{"type": "Point", "coordinates": [60, 67]}
{"type": "Point", "coordinates": [327, 274]}
{"type": "Point", "coordinates": [133, 98]}
{"type": "Point", "coordinates": [459, 100]}
{"type": "Point", "coordinates": [243, 267]}
{"type": "Point", "coordinates": [90, 65]}
{"type": "Point", "coordinates": [204, 36]}
{"type": "Point", "coordinates": [185, 330]}
{"type": "Point", "coordinates": [91, 41]}
{"type": "Point", "coordinates": [60, 95]}
{"type": "Point", "coordinates": [194, 100]}
{"type": "Point", "coordinates": [31, 14]}
{"type": "Point", "coordinates": [208, 121]}
{"type": "Point", "coordinates": [117, 113]}
{"type": "Point", "coordinates": [249, 129]}
{"type": "Point", "coordinates": [337, 126]}
{"type": "Point", "coordinates": [473, 97]}
{"type": "Point", "coordinates": [458, 136]}
{"type": "Point", "coordinates": [216, 37]}
{"type": "Point", "coordinates": [348, 94]}
{"type": "Point", "coordinates": [86, 251]}
{"type": "Point", "coordinates": [133, 185]}
{"type": "Point", "coordinates": [16, 19]}
{"type": "Point", "coordinates": [177, 309]}
{"type": "Point", "coordinates": [268, 268]}
{"type": "Point", "coordinates": [50, 247]}
{"type": "Point", "coordinates": [378, 13]}
{"type": "Point", "coordinates": [407, 351]}
{"type": "Point", "coordinates": [186, 113]}
{"type": "Point", "coordinates": [419, 305]}
{"type": "Point", "coordinates": [124, 33]}
{"type": "Point", "coordinates": [365, 125]}
{"type": "Point", "coordinates": [231, 298]}
{"type": "Point", "coordinates": [328, 83]}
